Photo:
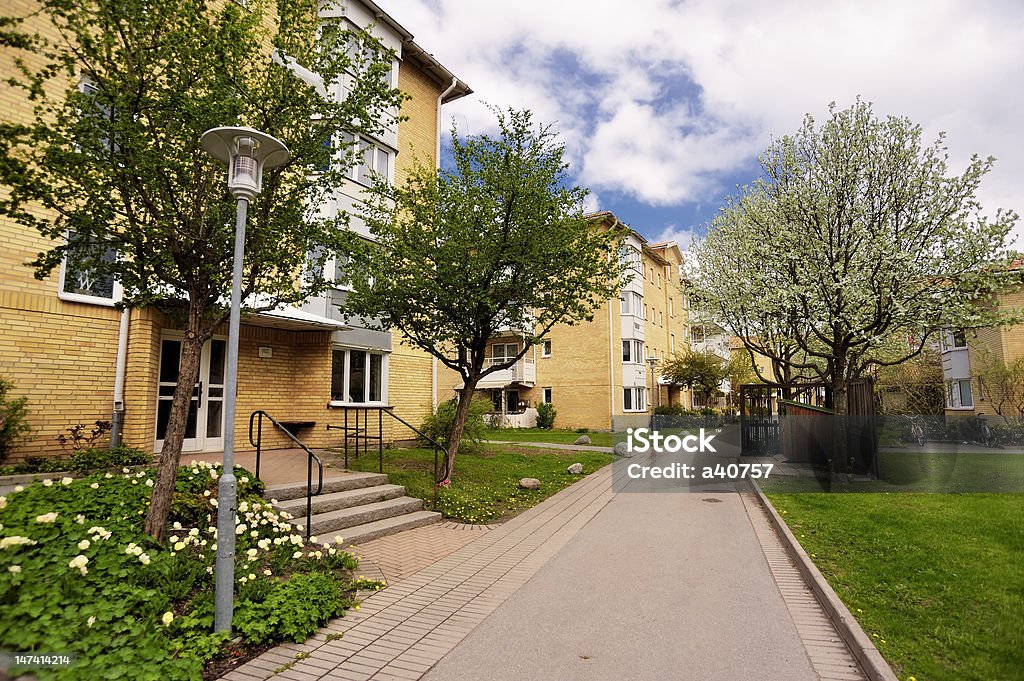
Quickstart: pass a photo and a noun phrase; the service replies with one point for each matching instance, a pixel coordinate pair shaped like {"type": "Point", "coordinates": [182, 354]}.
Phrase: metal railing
{"type": "Point", "coordinates": [356, 430]}
{"type": "Point", "coordinates": [257, 418]}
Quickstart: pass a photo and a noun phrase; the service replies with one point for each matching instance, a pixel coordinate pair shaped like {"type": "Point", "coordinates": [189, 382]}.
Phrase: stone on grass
{"type": "Point", "coordinates": [575, 469]}
{"type": "Point", "coordinates": [582, 440]}
{"type": "Point", "coordinates": [622, 449]}
{"type": "Point", "coordinates": [529, 483]}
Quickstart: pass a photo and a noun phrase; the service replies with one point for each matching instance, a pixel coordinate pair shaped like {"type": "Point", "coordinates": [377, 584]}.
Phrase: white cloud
{"type": "Point", "coordinates": [676, 95]}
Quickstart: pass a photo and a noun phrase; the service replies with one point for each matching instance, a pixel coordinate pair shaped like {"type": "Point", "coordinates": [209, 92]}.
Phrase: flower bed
{"type": "Point", "coordinates": [78, 576]}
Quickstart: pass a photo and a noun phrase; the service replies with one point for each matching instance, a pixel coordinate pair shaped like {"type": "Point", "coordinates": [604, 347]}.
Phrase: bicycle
{"type": "Point", "coordinates": [917, 432]}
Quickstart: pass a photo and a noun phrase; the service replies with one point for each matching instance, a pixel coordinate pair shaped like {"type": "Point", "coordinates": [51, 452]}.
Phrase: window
{"type": "Point", "coordinates": [645, 312]}
{"type": "Point", "coordinates": [545, 348]}
{"type": "Point", "coordinates": [502, 352]}
{"type": "Point", "coordinates": [633, 399]}
{"type": "Point", "coordinates": [659, 281]}
{"type": "Point", "coordinates": [661, 318]}
{"type": "Point", "coordinates": [358, 376]}
{"type": "Point", "coordinates": [630, 257]}
{"type": "Point", "coordinates": [547, 395]}
{"type": "Point", "coordinates": [632, 351]}
{"type": "Point", "coordinates": [672, 343]}
{"type": "Point", "coordinates": [697, 334]}
{"type": "Point", "coordinates": [671, 308]}
{"type": "Point", "coordinates": [83, 284]}
{"type": "Point", "coordinates": [959, 394]}
{"type": "Point", "coordinates": [632, 303]}
{"type": "Point", "coordinates": [371, 158]}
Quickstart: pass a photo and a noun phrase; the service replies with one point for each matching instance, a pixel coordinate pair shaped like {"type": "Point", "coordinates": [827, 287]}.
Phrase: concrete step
{"type": "Point", "coordinates": [333, 521]}
{"type": "Point", "coordinates": [295, 490]}
{"type": "Point", "coordinates": [381, 528]}
{"type": "Point", "coordinates": [334, 501]}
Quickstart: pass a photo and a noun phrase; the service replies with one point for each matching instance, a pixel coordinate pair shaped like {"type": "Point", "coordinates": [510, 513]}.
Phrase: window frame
{"type": "Point", "coordinates": [545, 348]}
{"type": "Point", "coordinates": [637, 400]}
{"type": "Point", "coordinates": [384, 375]}
{"type": "Point", "coordinates": [954, 394]}
{"type": "Point", "coordinates": [116, 295]}
{"type": "Point", "coordinates": [547, 395]}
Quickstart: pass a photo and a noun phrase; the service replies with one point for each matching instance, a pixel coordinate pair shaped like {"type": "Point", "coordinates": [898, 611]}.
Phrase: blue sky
{"type": "Point", "coordinates": [664, 105]}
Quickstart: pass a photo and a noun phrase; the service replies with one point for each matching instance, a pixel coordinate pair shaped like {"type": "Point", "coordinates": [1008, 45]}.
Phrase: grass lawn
{"type": "Point", "coordinates": [936, 579]}
{"type": "Point", "coordinates": [485, 485]}
{"type": "Point", "coordinates": [561, 437]}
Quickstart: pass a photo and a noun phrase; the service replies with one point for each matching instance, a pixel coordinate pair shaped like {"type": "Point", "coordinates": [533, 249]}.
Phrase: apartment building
{"type": "Point", "coordinates": [600, 374]}
{"type": "Point", "coordinates": [61, 338]}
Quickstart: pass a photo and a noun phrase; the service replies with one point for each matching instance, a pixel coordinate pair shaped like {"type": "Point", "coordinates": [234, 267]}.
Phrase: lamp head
{"type": "Point", "coordinates": [247, 152]}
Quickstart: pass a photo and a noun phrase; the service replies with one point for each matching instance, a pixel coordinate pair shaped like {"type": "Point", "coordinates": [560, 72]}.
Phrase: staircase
{"type": "Point", "coordinates": [359, 507]}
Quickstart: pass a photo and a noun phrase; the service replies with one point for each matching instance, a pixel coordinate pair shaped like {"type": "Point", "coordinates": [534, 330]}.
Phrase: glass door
{"type": "Point", "coordinates": [204, 429]}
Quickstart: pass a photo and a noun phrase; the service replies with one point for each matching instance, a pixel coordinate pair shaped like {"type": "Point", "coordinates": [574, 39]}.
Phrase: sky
{"type": "Point", "coordinates": [664, 105]}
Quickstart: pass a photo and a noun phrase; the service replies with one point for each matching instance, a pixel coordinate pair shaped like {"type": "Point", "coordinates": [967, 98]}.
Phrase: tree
{"type": "Point", "coordinates": [913, 387]}
{"type": "Point", "coordinates": [739, 370]}
{"type": "Point", "coordinates": [498, 242]}
{"type": "Point", "coordinates": [700, 371]}
{"type": "Point", "coordinates": [854, 235]}
{"type": "Point", "coordinates": [1002, 383]}
{"type": "Point", "coordinates": [113, 156]}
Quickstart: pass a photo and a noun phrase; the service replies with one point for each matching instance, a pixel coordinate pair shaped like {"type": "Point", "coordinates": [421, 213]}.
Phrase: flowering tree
{"type": "Point", "coordinates": [855, 235]}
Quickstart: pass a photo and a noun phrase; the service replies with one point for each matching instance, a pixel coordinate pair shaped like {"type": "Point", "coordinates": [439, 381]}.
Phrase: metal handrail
{"type": "Point", "coordinates": [380, 439]}
{"type": "Point", "coordinates": [258, 444]}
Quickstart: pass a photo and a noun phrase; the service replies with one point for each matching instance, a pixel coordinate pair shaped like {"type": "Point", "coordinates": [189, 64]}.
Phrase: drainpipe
{"type": "Point", "coordinates": [117, 420]}
{"type": "Point", "coordinates": [437, 161]}
{"type": "Point", "coordinates": [611, 362]}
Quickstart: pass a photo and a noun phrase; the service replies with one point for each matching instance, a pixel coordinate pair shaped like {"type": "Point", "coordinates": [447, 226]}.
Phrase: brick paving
{"type": "Point", "coordinates": [403, 630]}
{"type": "Point", "coordinates": [395, 557]}
{"type": "Point", "coordinates": [829, 655]}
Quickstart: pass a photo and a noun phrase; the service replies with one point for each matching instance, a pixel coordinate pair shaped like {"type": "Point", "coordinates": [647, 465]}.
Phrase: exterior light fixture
{"type": "Point", "coordinates": [247, 152]}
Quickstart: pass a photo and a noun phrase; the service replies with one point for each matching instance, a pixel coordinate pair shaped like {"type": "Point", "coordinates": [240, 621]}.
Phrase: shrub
{"type": "Point", "coordinates": [546, 415]}
{"type": "Point", "coordinates": [82, 461]}
{"type": "Point", "coordinates": [78, 438]}
{"type": "Point", "coordinates": [291, 610]}
{"type": "Point", "coordinates": [439, 425]}
{"type": "Point", "coordinates": [14, 428]}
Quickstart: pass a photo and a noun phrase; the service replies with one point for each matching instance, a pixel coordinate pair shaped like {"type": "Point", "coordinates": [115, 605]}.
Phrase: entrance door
{"type": "Point", "coordinates": [204, 430]}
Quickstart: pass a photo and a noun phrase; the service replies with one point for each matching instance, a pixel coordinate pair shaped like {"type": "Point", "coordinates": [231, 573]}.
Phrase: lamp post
{"type": "Point", "coordinates": [247, 153]}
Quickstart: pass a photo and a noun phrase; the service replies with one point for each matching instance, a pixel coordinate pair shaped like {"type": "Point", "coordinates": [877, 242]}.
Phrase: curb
{"type": "Point", "coordinates": [871, 661]}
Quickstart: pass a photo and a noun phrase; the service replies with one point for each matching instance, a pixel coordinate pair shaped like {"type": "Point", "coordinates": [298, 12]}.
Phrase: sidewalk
{"type": "Point", "coordinates": [589, 585]}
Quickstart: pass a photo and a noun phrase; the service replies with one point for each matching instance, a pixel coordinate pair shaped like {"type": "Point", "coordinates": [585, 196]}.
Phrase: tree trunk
{"type": "Point", "coordinates": [841, 430]}
{"type": "Point", "coordinates": [461, 416]}
{"type": "Point", "coordinates": [170, 455]}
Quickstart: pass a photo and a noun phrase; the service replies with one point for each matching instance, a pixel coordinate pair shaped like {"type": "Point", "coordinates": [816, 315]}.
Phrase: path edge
{"type": "Point", "coordinates": [871, 661]}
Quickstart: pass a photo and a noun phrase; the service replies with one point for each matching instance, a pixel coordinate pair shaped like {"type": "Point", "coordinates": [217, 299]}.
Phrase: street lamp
{"type": "Point", "coordinates": [247, 153]}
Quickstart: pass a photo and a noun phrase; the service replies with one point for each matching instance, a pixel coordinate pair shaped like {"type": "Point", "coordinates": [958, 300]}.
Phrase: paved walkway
{"type": "Point", "coordinates": [627, 585]}
{"type": "Point", "coordinates": [397, 556]}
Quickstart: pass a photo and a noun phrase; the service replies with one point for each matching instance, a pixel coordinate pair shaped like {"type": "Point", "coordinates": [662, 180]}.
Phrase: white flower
{"type": "Point", "coordinates": [267, 573]}
{"type": "Point", "coordinates": [144, 559]}
{"type": "Point", "coordinates": [252, 553]}
{"type": "Point", "coordinates": [338, 539]}
{"type": "Point", "coordinates": [167, 618]}
{"type": "Point", "coordinates": [194, 532]}
{"type": "Point", "coordinates": [244, 480]}
{"type": "Point", "coordinates": [95, 485]}
{"type": "Point", "coordinates": [66, 481]}
{"type": "Point", "coordinates": [125, 470]}
{"type": "Point", "coordinates": [91, 621]}
{"type": "Point", "coordinates": [3, 502]}
{"type": "Point", "coordinates": [297, 554]}
{"type": "Point", "coordinates": [252, 576]}
{"type": "Point", "coordinates": [243, 507]}
{"type": "Point", "coordinates": [314, 540]}
{"type": "Point", "coordinates": [108, 476]}
{"type": "Point", "coordinates": [213, 474]}
{"type": "Point", "coordinates": [254, 534]}
{"type": "Point", "coordinates": [79, 562]}
{"type": "Point", "coordinates": [15, 541]}
{"type": "Point", "coordinates": [178, 546]}
{"type": "Point", "coordinates": [213, 502]}
{"type": "Point", "coordinates": [263, 544]}
{"type": "Point", "coordinates": [83, 545]}
{"type": "Point", "coordinates": [173, 539]}
{"type": "Point", "coordinates": [318, 555]}
{"type": "Point", "coordinates": [149, 483]}
{"type": "Point", "coordinates": [134, 481]}
{"type": "Point", "coordinates": [209, 569]}
{"type": "Point", "coordinates": [47, 517]}
{"type": "Point", "coordinates": [332, 551]}
{"type": "Point", "coordinates": [241, 528]}
{"type": "Point", "coordinates": [80, 519]}
{"type": "Point", "coordinates": [47, 483]}
{"type": "Point", "coordinates": [243, 580]}
{"type": "Point", "coordinates": [14, 569]}
{"type": "Point", "coordinates": [176, 525]}
{"type": "Point", "coordinates": [19, 488]}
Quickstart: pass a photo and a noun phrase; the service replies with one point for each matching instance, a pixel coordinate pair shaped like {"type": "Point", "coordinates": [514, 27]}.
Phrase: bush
{"type": "Point", "coordinates": [546, 415]}
{"type": "Point", "coordinates": [439, 425]}
{"type": "Point", "coordinates": [82, 461]}
{"type": "Point", "coordinates": [78, 575]}
{"type": "Point", "coordinates": [14, 428]}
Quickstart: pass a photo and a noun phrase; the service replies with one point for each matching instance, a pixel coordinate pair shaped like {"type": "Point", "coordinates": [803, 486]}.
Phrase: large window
{"type": "Point", "coordinates": [952, 339]}
{"type": "Point", "coordinates": [358, 376]}
{"type": "Point", "coordinates": [632, 351]}
{"type": "Point", "coordinates": [372, 159]}
{"type": "Point", "coordinates": [632, 303]}
{"type": "Point", "coordinates": [959, 394]}
{"type": "Point", "coordinates": [81, 283]}
{"type": "Point", "coordinates": [630, 257]}
{"type": "Point", "coordinates": [634, 399]}
{"type": "Point", "coordinates": [502, 352]}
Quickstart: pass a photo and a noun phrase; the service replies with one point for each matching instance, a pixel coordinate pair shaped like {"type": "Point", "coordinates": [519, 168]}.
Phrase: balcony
{"type": "Point", "coordinates": [524, 371]}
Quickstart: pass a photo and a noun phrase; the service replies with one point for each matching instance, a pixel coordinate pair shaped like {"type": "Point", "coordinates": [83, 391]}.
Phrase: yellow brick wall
{"type": "Point", "coordinates": [1003, 344]}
